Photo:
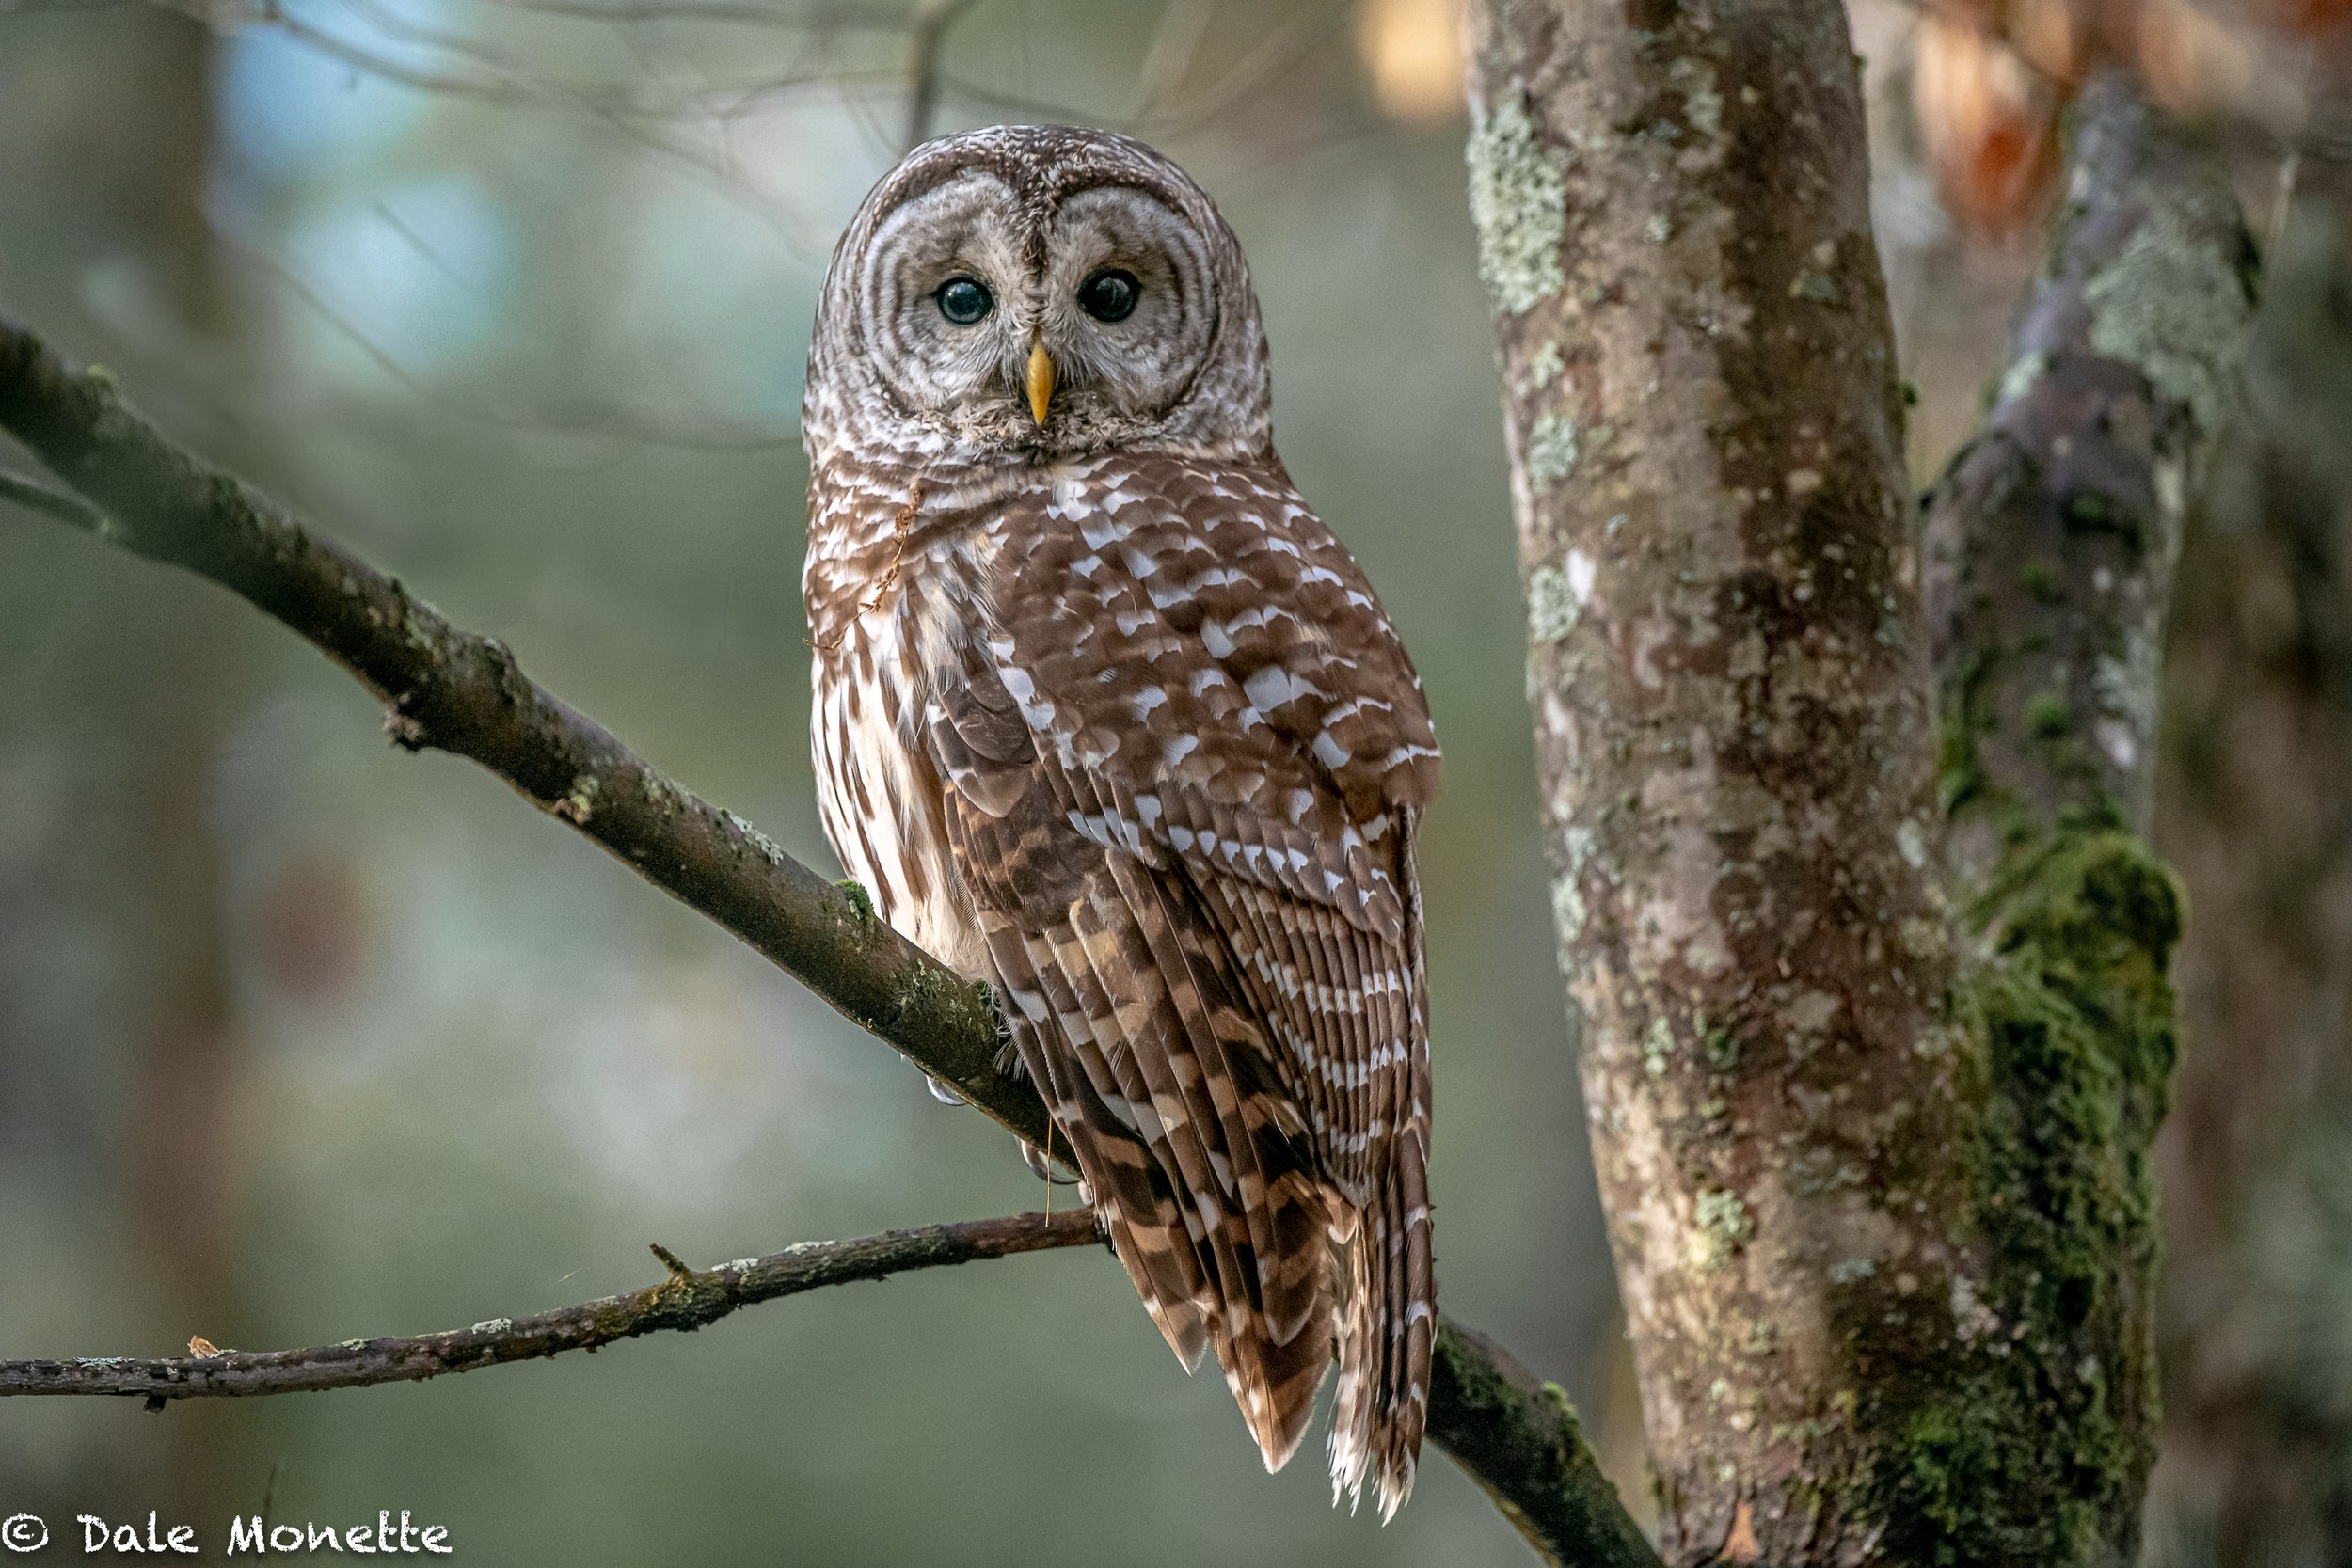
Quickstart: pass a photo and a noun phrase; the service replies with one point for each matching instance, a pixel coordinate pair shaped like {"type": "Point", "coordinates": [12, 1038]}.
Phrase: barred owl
{"type": "Point", "coordinates": [1107, 718]}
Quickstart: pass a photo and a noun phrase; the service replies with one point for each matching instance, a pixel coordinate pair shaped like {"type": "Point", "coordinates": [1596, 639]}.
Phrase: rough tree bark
{"type": "Point", "coordinates": [1871, 1132]}
{"type": "Point", "coordinates": [1734, 732]}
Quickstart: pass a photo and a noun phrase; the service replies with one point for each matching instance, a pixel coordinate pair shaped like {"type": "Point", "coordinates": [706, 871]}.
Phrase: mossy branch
{"type": "Point", "coordinates": [2051, 545]}
{"type": "Point", "coordinates": [1520, 1440]}
{"type": "Point", "coordinates": [689, 1299]}
{"type": "Point", "coordinates": [2050, 538]}
{"type": "Point", "coordinates": [458, 691]}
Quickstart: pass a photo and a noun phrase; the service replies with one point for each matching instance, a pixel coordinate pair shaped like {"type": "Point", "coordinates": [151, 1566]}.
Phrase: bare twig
{"type": "Point", "coordinates": [691, 430]}
{"type": "Point", "coordinates": [1175, 42]}
{"type": "Point", "coordinates": [464, 694]}
{"type": "Point", "coordinates": [1273, 59]}
{"type": "Point", "coordinates": [54, 504]}
{"type": "Point", "coordinates": [688, 1300]}
{"type": "Point", "coordinates": [813, 19]}
{"type": "Point", "coordinates": [1531, 1458]}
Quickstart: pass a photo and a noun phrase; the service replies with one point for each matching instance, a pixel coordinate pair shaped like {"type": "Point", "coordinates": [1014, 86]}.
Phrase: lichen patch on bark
{"type": "Point", "coordinates": [2171, 305]}
{"type": "Point", "coordinates": [1516, 203]}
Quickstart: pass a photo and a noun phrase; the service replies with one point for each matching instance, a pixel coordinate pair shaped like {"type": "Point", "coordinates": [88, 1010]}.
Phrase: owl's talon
{"type": "Point", "coordinates": [1042, 1167]}
{"type": "Point", "coordinates": [943, 1091]}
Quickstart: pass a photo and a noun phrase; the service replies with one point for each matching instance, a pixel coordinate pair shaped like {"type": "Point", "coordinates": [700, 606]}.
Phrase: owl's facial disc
{"type": "Point", "coordinates": [1055, 337]}
{"type": "Point", "coordinates": [942, 299]}
{"type": "Point", "coordinates": [1127, 309]}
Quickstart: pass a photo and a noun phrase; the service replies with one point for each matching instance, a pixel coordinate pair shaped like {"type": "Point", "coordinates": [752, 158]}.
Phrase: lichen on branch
{"type": "Point", "coordinates": [1734, 727]}
{"type": "Point", "coordinates": [2052, 536]}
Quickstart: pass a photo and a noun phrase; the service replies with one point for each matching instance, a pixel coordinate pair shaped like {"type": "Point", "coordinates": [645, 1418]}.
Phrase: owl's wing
{"type": "Point", "coordinates": [1196, 653]}
{"type": "Point", "coordinates": [1183, 778]}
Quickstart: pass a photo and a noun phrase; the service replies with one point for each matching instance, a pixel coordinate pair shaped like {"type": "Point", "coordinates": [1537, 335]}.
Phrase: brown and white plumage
{"type": "Point", "coordinates": [1106, 717]}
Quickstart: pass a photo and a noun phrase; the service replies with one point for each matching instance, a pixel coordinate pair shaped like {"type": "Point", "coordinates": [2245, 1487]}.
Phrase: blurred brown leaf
{"type": "Point", "coordinates": [1987, 120]}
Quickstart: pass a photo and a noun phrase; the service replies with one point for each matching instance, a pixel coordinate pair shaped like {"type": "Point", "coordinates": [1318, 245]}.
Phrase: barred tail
{"type": "Point", "coordinates": [1386, 1327]}
{"type": "Point", "coordinates": [1274, 1379]}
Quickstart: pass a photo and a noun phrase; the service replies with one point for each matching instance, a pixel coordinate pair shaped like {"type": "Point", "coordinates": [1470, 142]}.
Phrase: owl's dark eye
{"type": "Point", "coordinates": [964, 300]}
{"type": "Point", "coordinates": [1110, 295]}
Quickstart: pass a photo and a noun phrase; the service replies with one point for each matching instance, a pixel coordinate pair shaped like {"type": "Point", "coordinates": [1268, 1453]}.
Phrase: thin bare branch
{"type": "Point", "coordinates": [1273, 59]}
{"type": "Point", "coordinates": [624, 110]}
{"type": "Point", "coordinates": [54, 504]}
{"type": "Point", "coordinates": [1275, 55]}
{"type": "Point", "coordinates": [813, 19]}
{"type": "Point", "coordinates": [688, 1300]}
{"type": "Point", "coordinates": [1175, 42]}
{"type": "Point", "coordinates": [587, 416]}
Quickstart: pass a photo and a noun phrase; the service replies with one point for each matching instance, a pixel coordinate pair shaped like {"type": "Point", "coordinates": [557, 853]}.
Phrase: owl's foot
{"type": "Point", "coordinates": [1042, 1167]}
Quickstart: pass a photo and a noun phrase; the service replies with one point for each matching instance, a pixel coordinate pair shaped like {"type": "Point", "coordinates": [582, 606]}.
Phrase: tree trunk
{"type": "Point", "coordinates": [115, 1096]}
{"type": "Point", "coordinates": [1877, 1190]}
{"type": "Point", "coordinates": [1733, 728]}
{"type": "Point", "coordinates": [2053, 539]}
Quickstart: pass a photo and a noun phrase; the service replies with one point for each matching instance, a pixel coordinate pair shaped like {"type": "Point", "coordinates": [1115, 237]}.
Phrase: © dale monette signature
{"type": "Point", "coordinates": [249, 1534]}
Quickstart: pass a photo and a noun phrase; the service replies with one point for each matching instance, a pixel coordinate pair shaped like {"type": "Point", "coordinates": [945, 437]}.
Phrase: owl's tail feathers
{"type": "Point", "coordinates": [1386, 1333]}
{"type": "Point", "coordinates": [1276, 1349]}
{"type": "Point", "coordinates": [1147, 1222]}
{"type": "Point", "coordinates": [1176, 1314]}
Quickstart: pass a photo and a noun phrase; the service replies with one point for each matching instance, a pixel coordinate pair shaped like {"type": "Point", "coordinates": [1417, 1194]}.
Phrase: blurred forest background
{"type": "Point", "coordinates": [301, 1039]}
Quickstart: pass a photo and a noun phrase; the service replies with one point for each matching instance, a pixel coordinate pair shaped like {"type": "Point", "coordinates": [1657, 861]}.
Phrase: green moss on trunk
{"type": "Point", "coordinates": [2035, 1445]}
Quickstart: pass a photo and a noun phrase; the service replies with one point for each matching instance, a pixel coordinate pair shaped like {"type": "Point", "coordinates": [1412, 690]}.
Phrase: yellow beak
{"type": "Point", "coordinates": [1041, 380]}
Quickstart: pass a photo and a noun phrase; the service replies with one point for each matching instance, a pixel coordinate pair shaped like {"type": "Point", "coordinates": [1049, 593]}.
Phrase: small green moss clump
{"type": "Point", "coordinates": [859, 898]}
{"type": "Point", "coordinates": [2048, 716]}
{"type": "Point", "coordinates": [1966, 714]}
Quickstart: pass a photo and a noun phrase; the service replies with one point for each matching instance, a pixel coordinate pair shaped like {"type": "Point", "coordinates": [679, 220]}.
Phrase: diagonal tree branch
{"type": "Point", "coordinates": [1520, 1440]}
{"type": "Point", "coordinates": [688, 1300]}
{"type": "Point", "coordinates": [458, 691]}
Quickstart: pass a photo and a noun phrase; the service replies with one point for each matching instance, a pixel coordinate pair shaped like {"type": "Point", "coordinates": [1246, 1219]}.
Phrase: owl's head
{"type": "Point", "coordinates": [1037, 291]}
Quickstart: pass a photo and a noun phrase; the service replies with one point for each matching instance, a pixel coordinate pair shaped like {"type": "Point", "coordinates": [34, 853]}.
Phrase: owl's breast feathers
{"type": "Point", "coordinates": [1150, 723]}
